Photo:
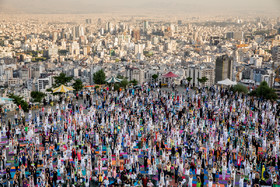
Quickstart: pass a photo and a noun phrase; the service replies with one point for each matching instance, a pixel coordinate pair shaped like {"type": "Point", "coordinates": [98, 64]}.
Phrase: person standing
{"type": "Point", "coordinates": [55, 177]}
{"type": "Point", "coordinates": [190, 181]}
{"type": "Point", "coordinates": [146, 163]}
{"type": "Point", "coordinates": [233, 173]}
{"type": "Point", "coordinates": [224, 170]}
{"type": "Point", "coordinates": [198, 184]}
{"type": "Point", "coordinates": [202, 177]}
{"type": "Point", "coordinates": [145, 180]}
{"type": "Point", "coordinates": [241, 181]}
{"type": "Point", "coordinates": [176, 173]}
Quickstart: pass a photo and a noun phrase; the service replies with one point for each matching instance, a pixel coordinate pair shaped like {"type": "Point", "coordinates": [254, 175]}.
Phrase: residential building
{"type": "Point", "coordinates": [224, 68]}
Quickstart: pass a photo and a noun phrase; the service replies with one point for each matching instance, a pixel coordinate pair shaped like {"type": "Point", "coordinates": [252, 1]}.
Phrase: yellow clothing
{"type": "Point", "coordinates": [263, 170]}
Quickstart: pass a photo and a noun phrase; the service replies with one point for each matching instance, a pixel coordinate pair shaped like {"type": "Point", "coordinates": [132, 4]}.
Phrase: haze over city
{"type": "Point", "coordinates": [188, 7]}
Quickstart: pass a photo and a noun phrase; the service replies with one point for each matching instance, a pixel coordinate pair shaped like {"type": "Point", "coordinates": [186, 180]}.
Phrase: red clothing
{"type": "Point", "coordinates": [79, 156]}
{"type": "Point", "coordinates": [239, 161]}
{"type": "Point", "coordinates": [145, 181]}
{"type": "Point", "coordinates": [73, 153]}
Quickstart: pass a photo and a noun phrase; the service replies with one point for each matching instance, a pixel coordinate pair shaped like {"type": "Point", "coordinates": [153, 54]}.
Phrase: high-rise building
{"type": "Point", "coordinates": [77, 32]}
{"type": "Point", "coordinates": [99, 22]}
{"type": "Point", "coordinates": [136, 34]}
{"type": "Point", "coordinates": [139, 48]}
{"type": "Point", "coordinates": [122, 26]}
{"type": "Point", "coordinates": [44, 83]}
{"type": "Point", "coordinates": [25, 74]}
{"type": "Point", "coordinates": [63, 45]}
{"type": "Point", "coordinates": [81, 31]}
{"type": "Point", "coordinates": [214, 40]}
{"type": "Point", "coordinates": [179, 22]}
{"type": "Point", "coordinates": [238, 35]}
{"type": "Point", "coordinates": [197, 72]}
{"type": "Point", "coordinates": [229, 35]}
{"type": "Point", "coordinates": [52, 51]}
{"type": "Point", "coordinates": [134, 73]}
{"type": "Point", "coordinates": [101, 31]}
{"type": "Point", "coordinates": [276, 55]}
{"type": "Point", "coordinates": [88, 21]}
{"type": "Point", "coordinates": [167, 47]}
{"type": "Point", "coordinates": [146, 25]}
{"type": "Point", "coordinates": [62, 33]}
{"type": "Point", "coordinates": [75, 48]}
{"type": "Point", "coordinates": [155, 40]}
{"type": "Point", "coordinates": [54, 36]}
{"type": "Point", "coordinates": [108, 27]}
{"type": "Point", "coordinates": [256, 61]}
{"type": "Point", "coordinates": [224, 68]}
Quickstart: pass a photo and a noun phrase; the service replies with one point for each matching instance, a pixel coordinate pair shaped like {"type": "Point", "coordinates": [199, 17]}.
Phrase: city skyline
{"type": "Point", "coordinates": [145, 7]}
{"type": "Point", "coordinates": [34, 48]}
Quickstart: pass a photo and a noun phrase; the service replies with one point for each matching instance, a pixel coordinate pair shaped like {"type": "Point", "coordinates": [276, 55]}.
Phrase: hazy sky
{"type": "Point", "coordinates": [142, 6]}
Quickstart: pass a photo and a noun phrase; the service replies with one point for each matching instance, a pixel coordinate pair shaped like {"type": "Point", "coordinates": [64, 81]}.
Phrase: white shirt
{"type": "Point", "coordinates": [190, 181]}
{"type": "Point", "coordinates": [210, 183]}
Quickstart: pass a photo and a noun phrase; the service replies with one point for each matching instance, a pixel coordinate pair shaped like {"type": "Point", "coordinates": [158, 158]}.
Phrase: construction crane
{"type": "Point", "coordinates": [238, 74]}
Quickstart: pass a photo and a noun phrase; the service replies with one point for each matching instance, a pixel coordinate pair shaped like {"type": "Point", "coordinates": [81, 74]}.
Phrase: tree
{"type": "Point", "coordinates": [203, 80]}
{"type": "Point", "coordinates": [148, 53]}
{"type": "Point", "coordinates": [78, 85]}
{"type": "Point", "coordinates": [155, 76]}
{"type": "Point", "coordinates": [18, 100]}
{"type": "Point", "coordinates": [37, 96]}
{"type": "Point", "coordinates": [116, 86]}
{"type": "Point", "coordinates": [264, 92]}
{"type": "Point", "coordinates": [99, 77]}
{"type": "Point", "coordinates": [124, 83]}
{"type": "Point", "coordinates": [189, 80]}
{"type": "Point", "coordinates": [112, 53]}
{"type": "Point", "coordinates": [134, 82]}
{"type": "Point", "coordinates": [240, 89]}
{"type": "Point", "coordinates": [61, 79]}
{"type": "Point", "coordinates": [120, 77]}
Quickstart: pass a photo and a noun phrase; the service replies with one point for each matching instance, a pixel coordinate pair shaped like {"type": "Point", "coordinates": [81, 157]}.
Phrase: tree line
{"type": "Point", "coordinates": [263, 91]}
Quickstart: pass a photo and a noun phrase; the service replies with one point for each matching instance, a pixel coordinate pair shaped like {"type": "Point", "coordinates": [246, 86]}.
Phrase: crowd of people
{"type": "Point", "coordinates": [144, 136]}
